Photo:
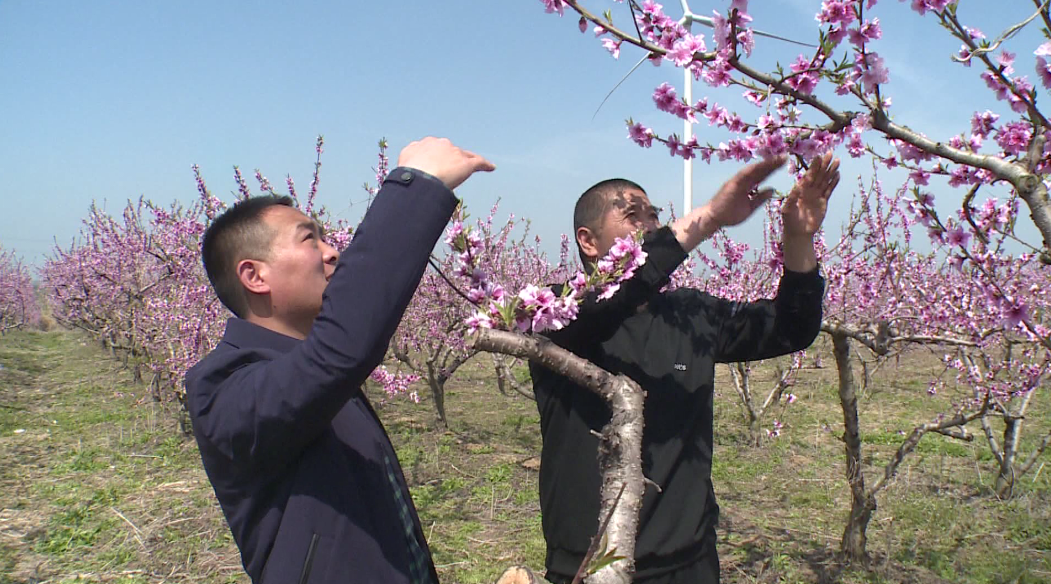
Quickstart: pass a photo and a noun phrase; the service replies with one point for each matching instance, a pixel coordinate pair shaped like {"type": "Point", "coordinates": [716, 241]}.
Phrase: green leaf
{"type": "Point", "coordinates": [603, 561]}
{"type": "Point", "coordinates": [507, 311]}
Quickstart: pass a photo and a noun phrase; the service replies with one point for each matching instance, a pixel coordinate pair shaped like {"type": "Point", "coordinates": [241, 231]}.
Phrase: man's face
{"type": "Point", "coordinates": [298, 266]}
{"type": "Point", "coordinates": [627, 211]}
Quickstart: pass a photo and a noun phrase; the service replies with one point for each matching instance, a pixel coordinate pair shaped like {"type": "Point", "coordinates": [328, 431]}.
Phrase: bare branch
{"type": "Point", "coordinates": [1036, 454]}
{"type": "Point", "coordinates": [957, 433]}
{"type": "Point", "coordinates": [910, 443]}
{"type": "Point", "coordinates": [994, 445]}
{"type": "Point", "coordinates": [1005, 35]}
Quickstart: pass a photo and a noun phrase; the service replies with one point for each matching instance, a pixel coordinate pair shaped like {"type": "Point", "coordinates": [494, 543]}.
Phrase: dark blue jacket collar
{"type": "Point", "coordinates": [245, 335]}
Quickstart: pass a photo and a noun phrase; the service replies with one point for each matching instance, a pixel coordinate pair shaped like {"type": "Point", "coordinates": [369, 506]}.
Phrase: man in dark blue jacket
{"type": "Point", "coordinates": [304, 472]}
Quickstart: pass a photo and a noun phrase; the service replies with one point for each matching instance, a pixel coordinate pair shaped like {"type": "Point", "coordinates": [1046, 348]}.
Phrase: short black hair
{"type": "Point", "coordinates": [238, 233]}
{"type": "Point", "coordinates": [593, 205]}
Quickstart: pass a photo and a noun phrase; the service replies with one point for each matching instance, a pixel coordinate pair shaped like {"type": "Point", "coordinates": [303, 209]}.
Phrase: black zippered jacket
{"type": "Point", "coordinates": [669, 344]}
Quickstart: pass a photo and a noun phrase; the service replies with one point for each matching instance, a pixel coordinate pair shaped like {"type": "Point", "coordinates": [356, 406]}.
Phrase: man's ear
{"type": "Point", "coordinates": [253, 276]}
{"type": "Point", "coordinates": [587, 240]}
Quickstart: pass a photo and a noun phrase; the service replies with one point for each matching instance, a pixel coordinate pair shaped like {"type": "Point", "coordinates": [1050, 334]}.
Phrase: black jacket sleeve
{"type": "Point", "coordinates": [750, 331]}
{"type": "Point", "coordinates": [598, 320]}
{"type": "Point", "coordinates": [264, 412]}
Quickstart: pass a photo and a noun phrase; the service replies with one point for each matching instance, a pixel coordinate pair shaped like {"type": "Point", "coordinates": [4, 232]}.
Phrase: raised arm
{"type": "Point", "coordinates": [266, 411]}
{"type": "Point", "coordinates": [791, 321]}
{"type": "Point", "coordinates": [666, 248]}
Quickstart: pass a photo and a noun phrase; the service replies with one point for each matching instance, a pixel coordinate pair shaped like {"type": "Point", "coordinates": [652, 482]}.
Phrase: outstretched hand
{"type": "Point", "coordinates": [740, 196]}
{"type": "Point", "coordinates": [804, 209]}
{"type": "Point", "coordinates": [736, 200]}
{"type": "Point", "coordinates": [442, 159]}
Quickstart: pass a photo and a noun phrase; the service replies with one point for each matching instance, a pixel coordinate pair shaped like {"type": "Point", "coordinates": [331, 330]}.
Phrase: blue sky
{"type": "Point", "coordinates": [109, 100]}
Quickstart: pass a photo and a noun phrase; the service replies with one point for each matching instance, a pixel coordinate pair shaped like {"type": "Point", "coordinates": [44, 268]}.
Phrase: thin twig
{"type": "Point", "coordinates": [1007, 34]}
{"type": "Point", "coordinates": [137, 533]}
{"type": "Point", "coordinates": [447, 281]}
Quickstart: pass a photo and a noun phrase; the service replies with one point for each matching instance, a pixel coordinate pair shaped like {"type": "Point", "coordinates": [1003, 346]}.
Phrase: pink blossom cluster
{"type": "Point", "coordinates": [1002, 379]}
{"type": "Point", "coordinates": [136, 283]}
{"type": "Point", "coordinates": [963, 298]}
{"type": "Point", "coordinates": [923, 6]}
{"type": "Point", "coordinates": [794, 119]}
{"type": "Point", "coordinates": [1043, 67]}
{"type": "Point", "coordinates": [536, 308]}
{"type": "Point", "coordinates": [395, 384]}
{"type": "Point", "coordinates": [1013, 90]}
{"type": "Point", "coordinates": [1009, 290]}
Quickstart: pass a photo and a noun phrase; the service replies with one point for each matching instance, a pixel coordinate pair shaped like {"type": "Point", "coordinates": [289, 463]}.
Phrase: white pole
{"type": "Point", "coordinates": [688, 18]}
{"type": "Point", "coordinates": [687, 133]}
{"type": "Point", "coordinates": [687, 128]}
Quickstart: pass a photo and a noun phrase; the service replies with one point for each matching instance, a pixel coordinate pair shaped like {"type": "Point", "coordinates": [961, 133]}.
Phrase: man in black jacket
{"type": "Point", "coordinates": [303, 470]}
{"type": "Point", "coordinates": [668, 343]}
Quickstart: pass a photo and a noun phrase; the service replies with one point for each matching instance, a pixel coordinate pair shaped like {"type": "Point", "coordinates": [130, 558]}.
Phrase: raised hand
{"type": "Point", "coordinates": [441, 158]}
{"type": "Point", "coordinates": [804, 209]}
{"type": "Point", "coordinates": [740, 196]}
{"type": "Point", "coordinates": [735, 201]}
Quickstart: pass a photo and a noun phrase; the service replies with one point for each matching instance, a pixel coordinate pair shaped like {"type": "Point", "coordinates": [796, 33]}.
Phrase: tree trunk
{"type": "Point", "coordinates": [1005, 479]}
{"type": "Point", "coordinates": [854, 541]}
{"type": "Point", "coordinates": [436, 382]}
{"type": "Point", "coordinates": [755, 430]}
{"type": "Point", "coordinates": [1009, 473]}
{"type": "Point", "coordinates": [505, 378]}
{"type": "Point", "coordinates": [742, 383]}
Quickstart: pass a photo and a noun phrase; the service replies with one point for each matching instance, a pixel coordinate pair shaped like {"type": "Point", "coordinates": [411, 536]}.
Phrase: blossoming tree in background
{"type": "Point", "coordinates": [794, 117]}
{"type": "Point", "coordinates": [432, 336]}
{"type": "Point", "coordinates": [18, 304]}
{"type": "Point", "coordinates": [136, 281]}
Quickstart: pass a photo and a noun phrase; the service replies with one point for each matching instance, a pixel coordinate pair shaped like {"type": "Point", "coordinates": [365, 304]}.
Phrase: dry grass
{"type": "Point", "coordinates": [102, 488]}
{"type": "Point", "coordinates": [95, 486]}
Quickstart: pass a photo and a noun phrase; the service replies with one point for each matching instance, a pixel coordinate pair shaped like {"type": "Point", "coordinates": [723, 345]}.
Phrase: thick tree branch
{"type": "Point", "coordinates": [1028, 186]}
{"type": "Point", "coordinates": [957, 433]}
{"type": "Point", "coordinates": [779, 388]}
{"type": "Point", "coordinates": [620, 448]}
{"type": "Point", "coordinates": [994, 445]}
{"type": "Point", "coordinates": [505, 377]}
{"type": "Point", "coordinates": [879, 339]}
